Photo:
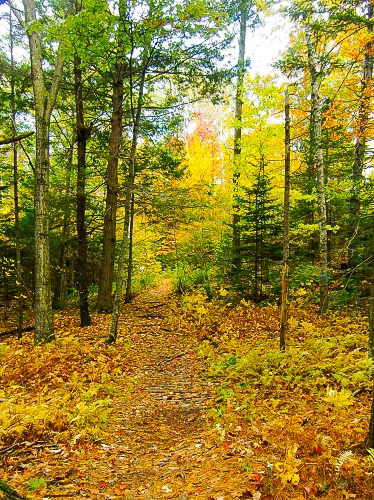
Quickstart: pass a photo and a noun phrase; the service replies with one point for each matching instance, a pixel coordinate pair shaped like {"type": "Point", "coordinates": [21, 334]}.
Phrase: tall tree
{"type": "Point", "coordinates": [16, 183]}
{"type": "Point", "coordinates": [83, 133]}
{"type": "Point", "coordinates": [136, 103]}
{"type": "Point", "coordinates": [243, 12]}
{"type": "Point", "coordinates": [162, 52]}
{"type": "Point", "coordinates": [286, 224]}
{"type": "Point", "coordinates": [317, 158]}
{"type": "Point", "coordinates": [361, 138]}
{"type": "Point", "coordinates": [105, 302]}
{"type": "Point", "coordinates": [44, 101]}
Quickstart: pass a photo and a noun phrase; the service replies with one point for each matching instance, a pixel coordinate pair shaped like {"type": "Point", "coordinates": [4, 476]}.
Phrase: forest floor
{"type": "Point", "coordinates": [147, 418]}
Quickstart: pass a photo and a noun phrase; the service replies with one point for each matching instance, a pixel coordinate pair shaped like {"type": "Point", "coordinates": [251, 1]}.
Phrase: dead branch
{"type": "Point", "coordinates": [14, 331]}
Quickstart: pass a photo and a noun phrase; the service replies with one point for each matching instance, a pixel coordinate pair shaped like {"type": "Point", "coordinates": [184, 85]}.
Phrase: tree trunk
{"type": "Point", "coordinates": [83, 134]}
{"type": "Point", "coordinates": [236, 260]}
{"type": "Point", "coordinates": [136, 114]}
{"type": "Point", "coordinates": [59, 290]}
{"type": "Point", "coordinates": [317, 156]}
{"type": "Point", "coordinates": [360, 146]}
{"type": "Point", "coordinates": [110, 218]}
{"type": "Point", "coordinates": [370, 439]}
{"type": "Point", "coordinates": [44, 103]}
{"type": "Point", "coordinates": [371, 308]}
{"type": "Point", "coordinates": [286, 226]}
{"type": "Point", "coordinates": [43, 306]}
{"type": "Point", "coordinates": [15, 191]}
{"type": "Point", "coordinates": [129, 263]}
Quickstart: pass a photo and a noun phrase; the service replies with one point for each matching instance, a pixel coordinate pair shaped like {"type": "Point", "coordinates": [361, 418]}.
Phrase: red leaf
{"type": "Point", "coordinates": [102, 484]}
{"type": "Point", "coordinates": [311, 490]}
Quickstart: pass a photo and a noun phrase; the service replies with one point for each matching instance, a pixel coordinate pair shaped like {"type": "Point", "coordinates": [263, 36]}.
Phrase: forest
{"type": "Point", "coordinates": [186, 251]}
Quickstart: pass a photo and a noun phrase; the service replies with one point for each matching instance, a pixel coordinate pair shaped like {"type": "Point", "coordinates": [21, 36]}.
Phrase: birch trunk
{"type": "Point", "coordinates": [360, 145]}
{"type": "Point", "coordinates": [317, 156]}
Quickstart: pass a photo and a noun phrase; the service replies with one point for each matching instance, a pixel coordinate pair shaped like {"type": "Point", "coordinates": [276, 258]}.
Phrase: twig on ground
{"type": "Point", "coordinates": [10, 493]}
{"type": "Point", "coordinates": [360, 391]}
{"type": "Point", "coordinates": [176, 356]}
{"type": "Point", "coordinates": [14, 331]}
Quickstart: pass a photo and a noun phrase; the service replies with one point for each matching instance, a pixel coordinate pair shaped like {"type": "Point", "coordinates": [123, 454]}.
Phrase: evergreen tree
{"type": "Point", "coordinates": [260, 228]}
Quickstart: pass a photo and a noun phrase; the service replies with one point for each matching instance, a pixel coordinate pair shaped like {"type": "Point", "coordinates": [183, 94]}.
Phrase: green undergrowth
{"type": "Point", "coordinates": [325, 360]}
{"type": "Point", "coordinates": [311, 366]}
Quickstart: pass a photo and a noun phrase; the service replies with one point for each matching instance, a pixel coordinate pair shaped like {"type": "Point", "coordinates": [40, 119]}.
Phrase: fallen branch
{"type": "Point", "coordinates": [9, 493]}
{"type": "Point", "coordinates": [176, 356]}
{"type": "Point", "coordinates": [26, 444]}
{"type": "Point", "coordinates": [14, 331]}
{"type": "Point", "coordinates": [151, 315]}
{"type": "Point", "coordinates": [360, 391]}
{"type": "Point", "coordinates": [16, 138]}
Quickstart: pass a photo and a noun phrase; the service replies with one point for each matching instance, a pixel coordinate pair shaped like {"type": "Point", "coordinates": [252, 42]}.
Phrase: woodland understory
{"type": "Point", "coordinates": [190, 403]}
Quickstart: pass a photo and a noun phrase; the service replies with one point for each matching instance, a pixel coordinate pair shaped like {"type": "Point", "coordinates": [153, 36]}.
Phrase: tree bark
{"type": "Point", "coordinates": [286, 226]}
{"type": "Point", "coordinates": [370, 438]}
{"type": "Point", "coordinates": [59, 289]}
{"type": "Point", "coordinates": [129, 263]}
{"type": "Point", "coordinates": [371, 308]}
{"type": "Point", "coordinates": [105, 304]}
{"type": "Point", "coordinates": [136, 115]}
{"type": "Point", "coordinates": [15, 190]}
{"type": "Point", "coordinates": [44, 104]}
{"type": "Point", "coordinates": [317, 156]}
{"type": "Point", "coordinates": [360, 145]}
{"type": "Point", "coordinates": [83, 134]}
{"type": "Point", "coordinates": [236, 260]}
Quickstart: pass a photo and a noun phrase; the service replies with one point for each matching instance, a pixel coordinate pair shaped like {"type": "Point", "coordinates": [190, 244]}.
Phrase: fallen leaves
{"type": "Point", "coordinates": [130, 421]}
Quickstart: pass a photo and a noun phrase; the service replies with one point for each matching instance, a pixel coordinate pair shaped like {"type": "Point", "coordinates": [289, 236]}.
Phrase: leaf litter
{"type": "Point", "coordinates": [173, 411]}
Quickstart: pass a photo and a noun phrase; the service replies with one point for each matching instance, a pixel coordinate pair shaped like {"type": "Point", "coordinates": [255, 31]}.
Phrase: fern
{"type": "Point", "coordinates": [342, 458]}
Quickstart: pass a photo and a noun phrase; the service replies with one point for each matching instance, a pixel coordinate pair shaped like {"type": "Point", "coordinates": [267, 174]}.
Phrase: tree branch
{"type": "Point", "coordinates": [16, 138]}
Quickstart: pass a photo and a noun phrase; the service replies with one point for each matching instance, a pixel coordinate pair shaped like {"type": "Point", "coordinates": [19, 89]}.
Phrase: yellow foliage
{"type": "Point", "coordinates": [288, 470]}
{"type": "Point", "coordinates": [339, 399]}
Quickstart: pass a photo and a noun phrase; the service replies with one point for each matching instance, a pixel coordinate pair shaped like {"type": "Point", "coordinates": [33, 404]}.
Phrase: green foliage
{"type": "Point", "coordinates": [260, 227]}
{"type": "Point", "coordinates": [36, 483]}
{"type": "Point", "coordinates": [329, 366]}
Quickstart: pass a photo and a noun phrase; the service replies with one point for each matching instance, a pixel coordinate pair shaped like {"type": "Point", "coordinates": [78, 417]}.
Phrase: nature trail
{"type": "Point", "coordinates": [161, 446]}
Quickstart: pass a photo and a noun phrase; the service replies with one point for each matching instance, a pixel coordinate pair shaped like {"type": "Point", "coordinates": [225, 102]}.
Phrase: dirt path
{"type": "Point", "coordinates": [163, 427]}
{"type": "Point", "coordinates": [156, 443]}
{"type": "Point", "coordinates": [164, 448]}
